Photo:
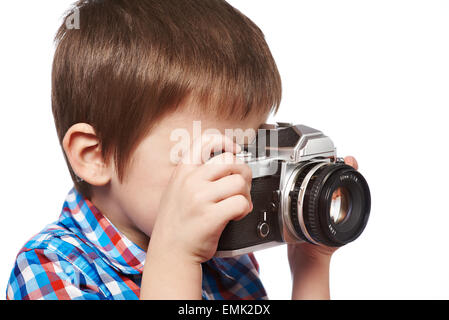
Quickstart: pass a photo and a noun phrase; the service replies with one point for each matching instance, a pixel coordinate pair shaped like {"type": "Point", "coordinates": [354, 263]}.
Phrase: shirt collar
{"type": "Point", "coordinates": [81, 216]}
{"type": "Point", "coordinates": [84, 219]}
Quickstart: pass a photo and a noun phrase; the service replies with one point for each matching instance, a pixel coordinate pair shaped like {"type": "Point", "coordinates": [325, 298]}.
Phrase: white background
{"type": "Point", "coordinates": [373, 75]}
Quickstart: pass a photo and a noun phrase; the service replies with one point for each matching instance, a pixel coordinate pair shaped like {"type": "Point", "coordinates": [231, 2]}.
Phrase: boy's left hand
{"type": "Point", "coordinates": [310, 252]}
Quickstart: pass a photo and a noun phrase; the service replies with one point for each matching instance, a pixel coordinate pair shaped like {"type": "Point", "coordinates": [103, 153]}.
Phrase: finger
{"type": "Point", "coordinates": [233, 208]}
{"type": "Point", "coordinates": [219, 144]}
{"type": "Point", "coordinates": [351, 161]}
{"type": "Point", "coordinates": [224, 165]}
{"type": "Point", "coordinates": [201, 149]}
{"type": "Point", "coordinates": [230, 186]}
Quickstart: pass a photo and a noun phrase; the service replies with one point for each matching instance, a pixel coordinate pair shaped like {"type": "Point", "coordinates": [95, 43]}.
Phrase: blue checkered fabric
{"type": "Point", "coordinates": [83, 256]}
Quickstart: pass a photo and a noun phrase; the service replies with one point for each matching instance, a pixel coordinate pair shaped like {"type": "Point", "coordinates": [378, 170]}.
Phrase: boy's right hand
{"type": "Point", "coordinates": [203, 195]}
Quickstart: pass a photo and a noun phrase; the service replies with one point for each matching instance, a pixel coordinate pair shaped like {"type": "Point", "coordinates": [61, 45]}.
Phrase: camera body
{"type": "Point", "coordinates": [296, 176]}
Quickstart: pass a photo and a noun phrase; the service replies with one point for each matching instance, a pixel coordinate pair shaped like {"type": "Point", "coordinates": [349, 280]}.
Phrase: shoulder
{"type": "Point", "coordinates": [55, 239]}
{"type": "Point", "coordinates": [55, 264]}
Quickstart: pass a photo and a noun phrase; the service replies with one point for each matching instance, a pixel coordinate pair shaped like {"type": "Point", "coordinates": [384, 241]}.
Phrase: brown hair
{"type": "Point", "coordinates": [132, 62]}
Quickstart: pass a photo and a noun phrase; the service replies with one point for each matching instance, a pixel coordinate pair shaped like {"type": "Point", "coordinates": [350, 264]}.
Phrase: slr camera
{"type": "Point", "coordinates": [301, 192]}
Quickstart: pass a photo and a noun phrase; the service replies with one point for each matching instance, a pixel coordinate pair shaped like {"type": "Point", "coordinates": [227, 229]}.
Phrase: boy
{"type": "Point", "coordinates": [138, 224]}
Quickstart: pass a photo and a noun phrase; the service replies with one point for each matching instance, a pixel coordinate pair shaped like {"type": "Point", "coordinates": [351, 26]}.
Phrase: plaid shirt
{"type": "Point", "coordinates": [83, 256]}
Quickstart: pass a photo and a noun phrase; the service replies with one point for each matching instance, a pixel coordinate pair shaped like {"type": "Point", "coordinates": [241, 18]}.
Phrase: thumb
{"type": "Point", "coordinates": [351, 161]}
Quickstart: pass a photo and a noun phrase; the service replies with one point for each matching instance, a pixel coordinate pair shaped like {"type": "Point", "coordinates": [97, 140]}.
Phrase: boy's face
{"type": "Point", "coordinates": [133, 204]}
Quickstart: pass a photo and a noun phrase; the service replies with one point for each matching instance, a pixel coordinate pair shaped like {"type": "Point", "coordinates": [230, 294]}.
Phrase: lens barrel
{"type": "Point", "coordinates": [330, 204]}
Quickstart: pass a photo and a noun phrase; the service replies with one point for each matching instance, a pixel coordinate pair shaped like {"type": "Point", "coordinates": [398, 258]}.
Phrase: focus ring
{"type": "Point", "coordinates": [294, 211]}
{"type": "Point", "coordinates": [315, 226]}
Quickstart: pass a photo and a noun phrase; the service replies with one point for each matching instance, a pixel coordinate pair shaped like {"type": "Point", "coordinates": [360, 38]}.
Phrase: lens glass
{"type": "Point", "coordinates": [340, 205]}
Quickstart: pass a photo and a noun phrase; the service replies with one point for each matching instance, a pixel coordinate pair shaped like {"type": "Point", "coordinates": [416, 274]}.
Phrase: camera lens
{"type": "Point", "coordinates": [330, 204]}
{"type": "Point", "coordinates": [340, 205]}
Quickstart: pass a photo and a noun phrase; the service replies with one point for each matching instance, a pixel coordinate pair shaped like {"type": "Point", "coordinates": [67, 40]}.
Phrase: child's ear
{"type": "Point", "coordinates": [83, 151]}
